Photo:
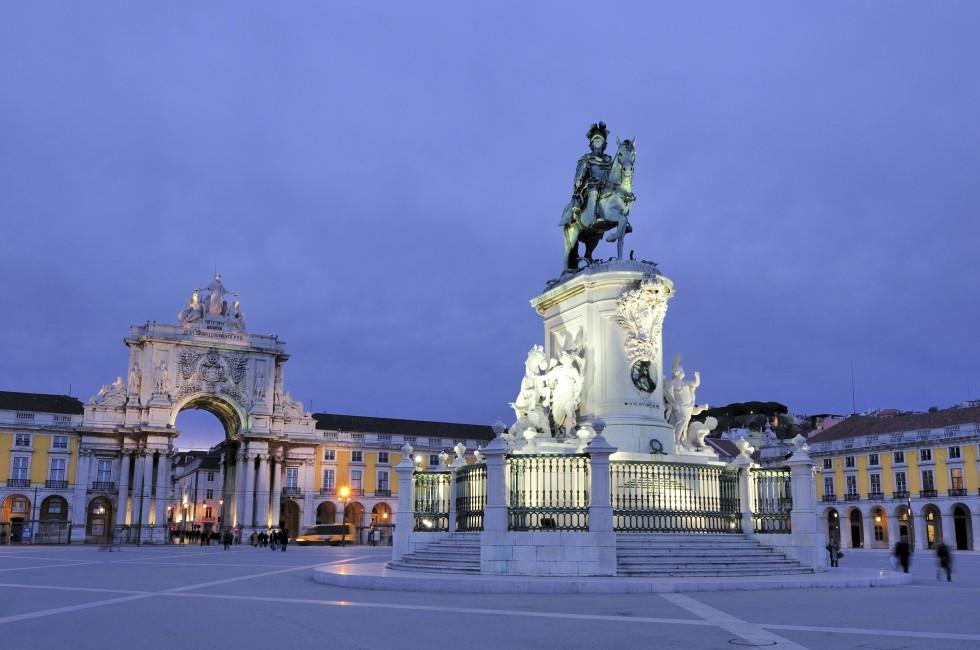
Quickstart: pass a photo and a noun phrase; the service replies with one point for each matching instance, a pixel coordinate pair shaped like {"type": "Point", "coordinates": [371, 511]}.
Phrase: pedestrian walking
{"type": "Point", "coordinates": [945, 558]}
{"type": "Point", "coordinates": [274, 539]}
{"type": "Point", "coordinates": [227, 540]}
{"type": "Point", "coordinates": [283, 539]}
{"type": "Point", "coordinates": [904, 553]}
{"type": "Point", "coordinates": [833, 550]}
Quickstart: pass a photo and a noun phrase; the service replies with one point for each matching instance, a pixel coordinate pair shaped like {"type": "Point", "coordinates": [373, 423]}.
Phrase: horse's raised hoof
{"type": "Point", "coordinates": [611, 238]}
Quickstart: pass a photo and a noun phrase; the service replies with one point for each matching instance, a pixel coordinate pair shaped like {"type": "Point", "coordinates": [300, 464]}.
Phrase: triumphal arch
{"type": "Point", "coordinates": [209, 361]}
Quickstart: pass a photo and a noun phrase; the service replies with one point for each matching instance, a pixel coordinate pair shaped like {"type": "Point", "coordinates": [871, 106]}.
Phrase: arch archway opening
{"type": "Point", "coordinates": [856, 528]}
{"type": "Point", "coordinates": [879, 525]}
{"type": "Point", "coordinates": [205, 422]}
{"type": "Point", "coordinates": [932, 519]}
{"type": "Point", "coordinates": [962, 527]}
{"type": "Point", "coordinates": [326, 513]}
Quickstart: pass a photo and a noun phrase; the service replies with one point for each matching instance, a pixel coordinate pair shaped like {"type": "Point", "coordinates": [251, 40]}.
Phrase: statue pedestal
{"type": "Point", "coordinates": [619, 387]}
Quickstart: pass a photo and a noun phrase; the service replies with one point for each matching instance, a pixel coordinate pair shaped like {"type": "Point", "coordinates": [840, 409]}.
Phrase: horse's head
{"type": "Point", "coordinates": [626, 152]}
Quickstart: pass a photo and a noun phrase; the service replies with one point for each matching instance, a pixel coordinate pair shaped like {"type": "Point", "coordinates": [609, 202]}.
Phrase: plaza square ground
{"type": "Point", "coordinates": [194, 597]}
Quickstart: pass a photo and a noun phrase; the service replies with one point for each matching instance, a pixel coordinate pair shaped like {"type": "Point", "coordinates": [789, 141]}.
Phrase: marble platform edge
{"type": "Point", "coordinates": [375, 577]}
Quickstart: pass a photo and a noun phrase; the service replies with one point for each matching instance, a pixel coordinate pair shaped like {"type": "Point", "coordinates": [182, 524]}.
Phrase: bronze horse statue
{"type": "Point", "coordinates": [607, 207]}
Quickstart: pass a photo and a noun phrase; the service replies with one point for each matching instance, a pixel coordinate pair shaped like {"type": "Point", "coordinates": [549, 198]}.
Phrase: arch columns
{"type": "Point", "coordinates": [122, 503]}
{"type": "Point", "coordinates": [262, 492]}
{"type": "Point", "coordinates": [141, 507]}
{"type": "Point", "coordinates": [894, 529]}
{"type": "Point", "coordinates": [276, 496]}
{"type": "Point", "coordinates": [867, 528]}
{"type": "Point", "coordinates": [248, 493]}
{"type": "Point", "coordinates": [79, 506]}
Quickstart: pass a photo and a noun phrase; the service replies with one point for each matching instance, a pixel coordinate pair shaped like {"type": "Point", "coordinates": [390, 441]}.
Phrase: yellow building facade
{"type": "Point", "coordinates": [916, 475]}
{"type": "Point", "coordinates": [38, 461]}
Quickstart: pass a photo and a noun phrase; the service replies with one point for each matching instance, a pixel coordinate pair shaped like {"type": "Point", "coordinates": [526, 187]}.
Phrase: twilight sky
{"type": "Point", "coordinates": [382, 186]}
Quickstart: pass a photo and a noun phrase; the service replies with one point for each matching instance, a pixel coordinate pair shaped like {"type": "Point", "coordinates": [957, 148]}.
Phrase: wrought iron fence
{"type": "Point", "coordinates": [651, 496]}
{"type": "Point", "coordinates": [471, 497]}
{"type": "Point", "coordinates": [772, 497]}
{"type": "Point", "coordinates": [49, 531]}
{"type": "Point", "coordinates": [548, 492]}
{"type": "Point", "coordinates": [432, 494]}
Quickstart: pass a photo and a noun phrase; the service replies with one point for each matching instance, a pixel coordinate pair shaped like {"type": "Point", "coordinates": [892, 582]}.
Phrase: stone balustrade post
{"type": "Point", "coordinates": [744, 464]}
{"type": "Point", "coordinates": [600, 503]}
{"type": "Point", "coordinates": [806, 538]}
{"type": "Point", "coordinates": [405, 515]}
{"type": "Point", "coordinates": [495, 511]}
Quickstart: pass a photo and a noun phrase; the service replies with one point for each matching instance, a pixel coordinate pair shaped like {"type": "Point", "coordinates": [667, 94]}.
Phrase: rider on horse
{"type": "Point", "coordinates": [591, 174]}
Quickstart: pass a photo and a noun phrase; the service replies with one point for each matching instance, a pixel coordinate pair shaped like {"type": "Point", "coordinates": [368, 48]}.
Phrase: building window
{"type": "Point", "coordinates": [435, 442]}
{"type": "Point", "coordinates": [103, 472]}
{"type": "Point", "coordinates": [954, 452]}
{"type": "Point", "coordinates": [899, 457]}
{"type": "Point", "coordinates": [357, 456]}
{"type": "Point", "coordinates": [19, 506]}
{"type": "Point", "coordinates": [355, 480]}
{"type": "Point", "coordinates": [956, 478]}
{"type": "Point", "coordinates": [872, 459]}
{"type": "Point", "coordinates": [329, 478]}
{"type": "Point", "coordinates": [22, 468]}
{"type": "Point", "coordinates": [875, 483]}
{"type": "Point", "coordinates": [22, 440]}
{"type": "Point", "coordinates": [383, 485]}
{"type": "Point", "coordinates": [208, 512]}
{"type": "Point", "coordinates": [292, 477]}
{"type": "Point", "coordinates": [54, 507]}
{"type": "Point", "coordinates": [433, 460]}
{"type": "Point", "coordinates": [59, 442]}
{"type": "Point", "coordinates": [210, 476]}
{"type": "Point", "coordinates": [879, 532]}
{"type": "Point", "coordinates": [209, 494]}
{"type": "Point", "coordinates": [925, 455]}
{"type": "Point", "coordinates": [382, 457]}
{"type": "Point", "coordinates": [329, 454]}
{"type": "Point", "coordinates": [57, 469]}
{"type": "Point", "coordinates": [828, 486]}
{"type": "Point", "coordinates": [828, 463]}
{"type": "Point", "coordinates": [852, 486]}
{"type": "Point", "coordinates": [901, 485]}
{"type": "Point", "coordinates": [848, 461]}
{"type": "Point", "coordinates": [927, 480]}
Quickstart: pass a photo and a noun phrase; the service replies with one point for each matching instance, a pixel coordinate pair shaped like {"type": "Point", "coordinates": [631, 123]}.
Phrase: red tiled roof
{"type": "Point", "coordinates": [862, 425]}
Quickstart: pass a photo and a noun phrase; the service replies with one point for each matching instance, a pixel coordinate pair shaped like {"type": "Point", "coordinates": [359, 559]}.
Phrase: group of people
{"type": "Point", "coordinates": [276, 539]}
{"type": "Point", "coordinates": [903, 556]}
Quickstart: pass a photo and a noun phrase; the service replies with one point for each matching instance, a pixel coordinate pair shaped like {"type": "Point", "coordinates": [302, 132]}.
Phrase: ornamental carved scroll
{"type": "Point", "coordinates": [640, 312]}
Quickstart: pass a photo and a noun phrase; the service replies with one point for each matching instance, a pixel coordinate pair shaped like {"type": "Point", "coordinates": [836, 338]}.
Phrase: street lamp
{"type": "Point", "coordinates": [344, 494]}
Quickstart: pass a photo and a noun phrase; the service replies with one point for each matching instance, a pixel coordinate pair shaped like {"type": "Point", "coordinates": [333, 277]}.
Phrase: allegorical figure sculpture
{"type": "Point", "coordinates": [163, 374]}
{"type": "Point", "coordinates": [680, 397]}
{"type": "Point", "coordinates": [551, 391]}
{"type": "Point", "coordinates": [113, 394]}
{"type": "Point", "coordinates": [194, 310]}
{"type": "Point", "coordinates": [601, 197]}
{"type": "Point", "coordinates": [565, 381]}
{"type": "Point", "coordinates": [530, 405]}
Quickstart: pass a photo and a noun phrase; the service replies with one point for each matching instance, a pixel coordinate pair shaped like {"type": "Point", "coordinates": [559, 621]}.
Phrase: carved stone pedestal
{"type": "Point", "coordinates": [618, 309]}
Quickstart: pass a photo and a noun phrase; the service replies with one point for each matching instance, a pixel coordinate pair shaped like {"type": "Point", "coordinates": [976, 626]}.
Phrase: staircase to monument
{"type": "Point", "coordinates": [679, 555]}
{"type": "Point", "coordinates": [456, 553]}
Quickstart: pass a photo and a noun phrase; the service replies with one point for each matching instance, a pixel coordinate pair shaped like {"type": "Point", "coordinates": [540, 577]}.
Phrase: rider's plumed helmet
{"type": "Point", "coordinates": [599, 128]}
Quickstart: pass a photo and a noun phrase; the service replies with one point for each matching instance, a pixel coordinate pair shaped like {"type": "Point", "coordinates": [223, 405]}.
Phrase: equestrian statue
{"type": "Point", "coordinates": [601, 198]}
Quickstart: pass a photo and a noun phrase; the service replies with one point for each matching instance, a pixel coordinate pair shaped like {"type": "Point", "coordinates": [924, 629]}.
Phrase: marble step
{"type": "Point", "coordinates": [440, 568]}
{"type": "Point", "coordinates": [688, 552]}
{"type": "Point", "coordinates": [693, 561]}
{"type": "Point", "coordinates": [696, 573]}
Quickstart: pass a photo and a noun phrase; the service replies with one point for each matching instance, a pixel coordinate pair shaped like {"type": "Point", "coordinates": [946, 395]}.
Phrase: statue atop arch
{"type": "Point", "coordinates": [213, 307]}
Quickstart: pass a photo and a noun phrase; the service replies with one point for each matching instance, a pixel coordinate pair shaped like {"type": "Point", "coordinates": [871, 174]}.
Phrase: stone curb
{"type": "Point", "coordinates": [381, 579]}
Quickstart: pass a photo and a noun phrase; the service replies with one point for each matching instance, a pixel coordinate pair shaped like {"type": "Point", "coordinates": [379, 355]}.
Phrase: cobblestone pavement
{"type": "Point", "coordinates": [193, 597]}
